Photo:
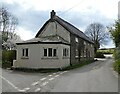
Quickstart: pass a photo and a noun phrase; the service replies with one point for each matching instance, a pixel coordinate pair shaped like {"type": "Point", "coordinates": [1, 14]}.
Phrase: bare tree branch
{"type": "Point", "coordinates": [97, 33]}
{"type": "Point", "coordinates": [8, 24]}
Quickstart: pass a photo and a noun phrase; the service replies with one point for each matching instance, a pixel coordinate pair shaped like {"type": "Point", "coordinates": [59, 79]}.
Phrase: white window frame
{"type": "Point", "coordinates": [65, 52]}
{"type": "Point", "coordinates": [25, 52]}
{"type": "Point", "coordinates": [48, 52]}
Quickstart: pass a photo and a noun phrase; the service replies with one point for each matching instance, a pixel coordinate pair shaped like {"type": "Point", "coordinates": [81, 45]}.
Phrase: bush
{"type": "Point", "coordinates": [8, 57]}
{"type": "Point", "coordinates": [117, 53]}
{"type": "Point", "coordinates": [99, 55]}
{"type": "Point", "coordinates": [116, 66]}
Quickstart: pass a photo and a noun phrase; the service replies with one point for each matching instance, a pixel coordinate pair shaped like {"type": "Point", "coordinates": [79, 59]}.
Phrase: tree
{"type": "Point", "coordinates": [8, 23]}
{"type": "Point", "coordinates": [115, 32]}
{"type": "Point", "coordinates": [97, 33]}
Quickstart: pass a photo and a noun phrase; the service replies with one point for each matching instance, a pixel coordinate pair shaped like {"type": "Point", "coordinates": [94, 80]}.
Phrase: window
{"type": "Point", "coordinates": [76, 54]}
{"type": "Point", "coordinates": [54, 52]}
{"type": "Point", "coordinates": [91, 45]}
{"type": "Point", "coordinates": [65, 52]}
{"type": "Point", "coordinates": [50, 52]}
{"type": "Point", "coordinates": [76, 39]}
{"type": "Point", "coordinates": [45, 52]}
{"type": "Point", "coordinates": [25, 52]}
{"type": "Point", "coordinates": [84, 43]}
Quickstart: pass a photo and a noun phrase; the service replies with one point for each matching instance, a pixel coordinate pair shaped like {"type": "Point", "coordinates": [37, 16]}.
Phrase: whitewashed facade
{"type": "Point", "coordinates": [53, 46]}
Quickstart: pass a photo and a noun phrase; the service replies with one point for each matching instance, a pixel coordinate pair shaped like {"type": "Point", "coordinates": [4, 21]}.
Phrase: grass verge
{"type": "Point", "coordinates": [116, 65]}
{"type": "Point", "coordinates": [78, 65]}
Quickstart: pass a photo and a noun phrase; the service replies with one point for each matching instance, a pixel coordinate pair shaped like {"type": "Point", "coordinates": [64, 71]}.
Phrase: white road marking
{"type": "Point", "coordinates": [45, 83]}
{"type": "Point", "coordinates": [57, 75]}
{"type": "Point", "coordinates": [50, 75]}
{"type": "Point", "coordinates": [35, 83]}
{"type": "Point", "coordinates": [21, 90]}
{"type": "Point", "coordinates": [10, 83]}
{"type": "Point", "coordinates": [54, 73]}
{"type": "Point", "coordinates": [27, 88]}
{"type": "Point", "coordinates": [61, 73]}
{"type": "Point", "coordinates": [65, 71]}
{"type": "Point", "coordinates": [38, 89]}
{"type": "Point", "coordinates": [51, 79]}
{"type": "Point", "coordinates": [42, 79]}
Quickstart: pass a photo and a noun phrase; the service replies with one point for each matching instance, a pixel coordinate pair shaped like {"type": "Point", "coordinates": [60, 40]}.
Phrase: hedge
{"type": "Point", "coordinates": [8, 57]}
{"type": "Point", "coordinates": [99, 55]}
{"type": "Point", "coordinates": [116, 65]}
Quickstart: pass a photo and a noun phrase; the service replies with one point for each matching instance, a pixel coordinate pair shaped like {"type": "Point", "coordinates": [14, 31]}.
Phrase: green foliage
{"type": "Point", "coordinates": [115, 32]}
{"type": "Point", "coordinates": [106, 51]}
{"type": "Point", "coordinates": [116, 65]}
{"type": "Point", "coordinates": [99, 55]}
{"type": "Point", "coordinates": [117, 54]}
{"type": "Point", "coordinates": [8, 57]}
{"type": "Point", "coordinates": [78, 65]}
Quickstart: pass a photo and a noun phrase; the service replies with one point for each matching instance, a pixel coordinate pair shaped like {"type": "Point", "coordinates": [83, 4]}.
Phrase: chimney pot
{"type": "Point", "coordinates": [52, 14]}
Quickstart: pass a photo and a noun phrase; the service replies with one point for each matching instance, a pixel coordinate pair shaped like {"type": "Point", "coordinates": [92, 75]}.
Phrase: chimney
{"type": "Point", "coordinates": [52, 14]}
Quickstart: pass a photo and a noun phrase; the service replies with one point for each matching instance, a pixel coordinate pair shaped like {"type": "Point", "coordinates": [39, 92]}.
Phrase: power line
{"type": "Point", "coordinates": [70, 8]}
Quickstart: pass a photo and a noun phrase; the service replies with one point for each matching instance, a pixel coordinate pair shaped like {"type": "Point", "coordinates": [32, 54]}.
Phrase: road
{"type": "Point", "coordinates": [95, 77]}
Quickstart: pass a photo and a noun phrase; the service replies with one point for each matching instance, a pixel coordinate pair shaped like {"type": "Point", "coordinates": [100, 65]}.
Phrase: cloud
{"type": "Point", "coordinates": [25, 34]}
{"type": "Point", "coordinates": [110, 44]}
{"type": "Point", "coordinates": [82, 20]}
{"type": "Point", "coordinates": [33, 14]}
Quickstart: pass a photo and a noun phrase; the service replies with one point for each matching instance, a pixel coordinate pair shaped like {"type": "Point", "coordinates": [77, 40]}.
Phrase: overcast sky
{"type": "Point", "coordinates": [32, 14]}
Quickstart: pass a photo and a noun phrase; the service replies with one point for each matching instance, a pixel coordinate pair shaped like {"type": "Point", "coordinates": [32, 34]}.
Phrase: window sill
{"type": "Point", "coordinates": [77, 57]}
{"type": "Point", "coordinates": [65, 57]}
{"type": "Point", "coordinates": [49, 58]}
{"type": "Point", "coordinates": [24, 57]}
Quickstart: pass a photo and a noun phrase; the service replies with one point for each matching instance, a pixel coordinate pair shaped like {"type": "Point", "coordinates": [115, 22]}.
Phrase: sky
{"type": "Point", "coordinates": [32, 14]}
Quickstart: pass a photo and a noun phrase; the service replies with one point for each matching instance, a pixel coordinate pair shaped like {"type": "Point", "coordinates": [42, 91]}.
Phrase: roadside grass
{"type": "Point", "coordinates": [54, 70]}
{"type": "Point", "coordinates": [0, 62]}
{"type": "Point", "coordinates": [78, 65]}
{"type": "Point", "coordinates": [116, 65]}
{"type": "Point", "coordinates": [36, 70]}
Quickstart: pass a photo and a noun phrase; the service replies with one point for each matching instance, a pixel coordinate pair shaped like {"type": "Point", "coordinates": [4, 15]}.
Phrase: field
{"type": "Point", "coordinates": [106, 51]}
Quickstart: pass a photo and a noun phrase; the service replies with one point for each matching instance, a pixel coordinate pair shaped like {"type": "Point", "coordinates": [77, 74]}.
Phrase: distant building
{"type": "Point", "coordinates": [56, 45]}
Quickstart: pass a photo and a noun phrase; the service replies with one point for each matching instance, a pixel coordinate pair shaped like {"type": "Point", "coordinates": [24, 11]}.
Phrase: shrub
{"type": "Point", "coordinates": [116, 66]}
{"type": "Point", "coordinates": [99, 55]}
{"type": "Point", "coordinates": [117, 53]}
{"type": "Point", "coordinates": [8, 57]}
